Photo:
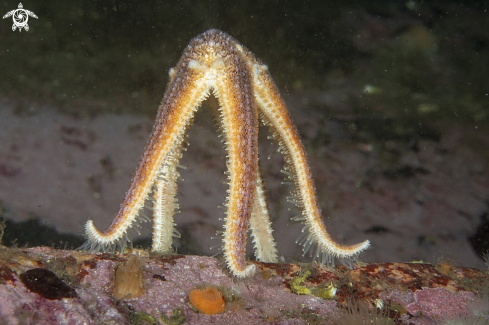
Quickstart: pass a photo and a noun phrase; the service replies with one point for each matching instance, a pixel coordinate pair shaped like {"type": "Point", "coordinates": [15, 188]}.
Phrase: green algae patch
{"type": "Point", "coordinates": [296, 285]}
{"type": "Point", "coordinates": [142, 318]}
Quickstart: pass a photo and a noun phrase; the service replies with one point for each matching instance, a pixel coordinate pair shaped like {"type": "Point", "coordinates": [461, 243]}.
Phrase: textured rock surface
{"type": "Point", "coordinates": [412, 292]}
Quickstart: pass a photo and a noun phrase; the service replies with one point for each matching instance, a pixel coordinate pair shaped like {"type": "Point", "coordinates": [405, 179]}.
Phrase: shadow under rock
{"type": "Point", "coordinates": [32, 233]}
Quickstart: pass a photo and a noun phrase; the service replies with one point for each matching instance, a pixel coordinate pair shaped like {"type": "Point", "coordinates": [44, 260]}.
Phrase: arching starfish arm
{"type": "Point", "coordinates": [186, 91]}
{"type": "Point", "coordinates": [273, 109]}
{"type": "Point", "coordinates": [240, 124]}
{"type": "Point", "coordinates": [261, 227]}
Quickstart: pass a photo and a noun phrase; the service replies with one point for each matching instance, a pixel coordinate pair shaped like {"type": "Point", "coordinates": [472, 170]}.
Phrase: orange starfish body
{"type": "Point", "coordinates": [215, 63]}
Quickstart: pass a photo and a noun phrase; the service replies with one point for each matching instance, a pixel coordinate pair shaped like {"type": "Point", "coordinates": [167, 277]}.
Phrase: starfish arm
{"type": "Point", "coordinates": [240, 124]}
{"type": "Point", "coordinates": [186, 91]}
{"type": "Point", "coordinates": [165, 202]}
{"type": "Point", "coordinates": [261, 227]}
{"type": "Point", "coordinates": [274, 112]}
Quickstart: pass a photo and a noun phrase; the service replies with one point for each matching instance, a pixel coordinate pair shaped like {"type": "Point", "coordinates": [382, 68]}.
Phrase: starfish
{"type": "Point", "coordinates": [215, 63]}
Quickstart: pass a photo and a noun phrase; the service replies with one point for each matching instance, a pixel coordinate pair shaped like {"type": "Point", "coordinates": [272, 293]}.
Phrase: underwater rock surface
{"type": "Point", "coordinates": [410, 293]}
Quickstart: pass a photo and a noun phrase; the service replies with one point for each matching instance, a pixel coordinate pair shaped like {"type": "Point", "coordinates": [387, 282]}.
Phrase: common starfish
{"type": "Point", "coordinates": [215, 63]}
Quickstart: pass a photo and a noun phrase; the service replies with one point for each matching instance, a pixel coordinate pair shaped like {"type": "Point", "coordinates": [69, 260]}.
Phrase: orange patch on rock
{"type": "Point", "coordinates": [208, 300]}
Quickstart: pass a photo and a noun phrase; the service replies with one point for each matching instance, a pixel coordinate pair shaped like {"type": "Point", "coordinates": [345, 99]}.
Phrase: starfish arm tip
{"type": "Point", "coordinates": [353, 250]}
{"type": "Point", "coordinates": [360, 247]}
{"type": "Point", "coordinates": [247, 272]}
{"type": "Point", "coordinates": [91, 232]}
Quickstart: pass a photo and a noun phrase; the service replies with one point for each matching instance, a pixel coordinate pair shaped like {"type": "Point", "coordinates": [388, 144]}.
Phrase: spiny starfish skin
{"type": "Point", "coordinates": [216, 63]}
